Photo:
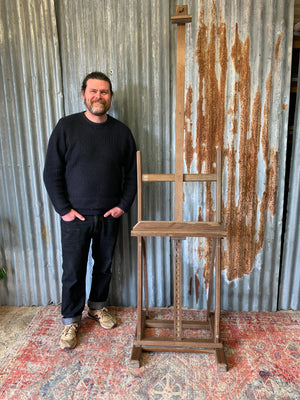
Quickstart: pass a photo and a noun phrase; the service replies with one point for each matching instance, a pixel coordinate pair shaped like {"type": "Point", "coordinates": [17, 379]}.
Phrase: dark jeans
{"type": "Point", "coordinates": [76, 237]}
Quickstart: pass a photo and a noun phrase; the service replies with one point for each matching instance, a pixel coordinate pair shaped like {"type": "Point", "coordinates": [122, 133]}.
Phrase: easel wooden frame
{"type": "Point", "coordinates": [179, 230]}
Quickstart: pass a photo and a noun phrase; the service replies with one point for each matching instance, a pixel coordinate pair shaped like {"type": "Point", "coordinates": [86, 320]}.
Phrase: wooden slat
{"type": "Point", "coordinates": [179, 229]}
{"type": "Point", "coordinates": [179, 124]}
{"type": "Point", "coordinates": [179, 350]}
{"type": "Point", "coordinates": [184, 342]}
{"type": "Point", "coordinates": [199, 177]}
{"type": "Point", "coordinates": [217, 293]}
{"type": "Point", "coordinates": [169, 323]}
{"type": "Point", "coordinates": [219, 187]}
{"type": "Point", "coordinates": [186, 177]}
{"type": "Point", "coordinates": [139, 185]}
{"type": "Point", "coordinates": [141, 314]}
{"type": "Point", "coordinates": [145, 276]}
{"type": "Point", "coordinates": [211, 275]}
{"type": "Point", "coordinates": [178, 288]}
{"type": "Point", "coordinates": [158, 177]}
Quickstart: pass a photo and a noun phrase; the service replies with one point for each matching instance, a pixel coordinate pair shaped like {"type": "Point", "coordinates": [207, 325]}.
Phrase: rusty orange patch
{"type": "Point", "coordinates": [244, 212]}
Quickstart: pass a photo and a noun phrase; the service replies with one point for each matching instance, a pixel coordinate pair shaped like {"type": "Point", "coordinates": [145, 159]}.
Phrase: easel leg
{"type": "Point", "coordinates": [145, 276]}
{"type": "Point", "coordinates": [140, 289]}
{"type": "Point", "coordinates": [137, 350]}
{"type": "Point", "coordinates": [178, 289]}
{"type": "Point", "coordinates": [220, 356]}
{"type": "Point", "coordinates": [211, 276]}
{"type": "Point", "coordinates": [218, 293]}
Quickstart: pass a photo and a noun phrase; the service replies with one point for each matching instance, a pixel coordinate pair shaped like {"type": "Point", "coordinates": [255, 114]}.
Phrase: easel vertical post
{"type": "Point", "coordinates": [178, 288]}
{"type": "Point", "coordinates": [219, 187]}
{"type": "Point", "coordinates": [140, 288]}
{"type": "Point", "coordinates": [218, 293]}
{"type": "Point", "coordinates": [181, 18]}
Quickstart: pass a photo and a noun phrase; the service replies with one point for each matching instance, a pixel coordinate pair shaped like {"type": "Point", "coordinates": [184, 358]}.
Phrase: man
{"type": "Point", "coordinates": [90, 176]}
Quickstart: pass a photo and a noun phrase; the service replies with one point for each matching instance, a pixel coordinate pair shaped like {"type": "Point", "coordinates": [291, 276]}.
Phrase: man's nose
{"type": "Point", "coordinates": [99, 94]}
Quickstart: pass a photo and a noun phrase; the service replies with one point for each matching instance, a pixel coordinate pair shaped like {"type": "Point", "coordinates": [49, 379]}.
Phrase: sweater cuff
{"type": "Point", "coordinates": [64, 211]}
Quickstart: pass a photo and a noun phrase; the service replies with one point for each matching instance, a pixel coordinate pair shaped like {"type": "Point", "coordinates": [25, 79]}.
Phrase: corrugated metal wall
{"type": "Point", "coordinates": [238, 60]}
{"type": "Point", "coordinates": [290, 274]}
{"type": "Point", "coordinates": [31, 102]}
{"type": "Point", "coordinates": [130, 41]}
{"type": "Point", "coordinates": [240, 104]}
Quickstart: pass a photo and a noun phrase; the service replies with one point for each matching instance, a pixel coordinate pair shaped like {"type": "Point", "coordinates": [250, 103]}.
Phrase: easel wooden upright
{"type": "Point", "coordinates": [179, 230]}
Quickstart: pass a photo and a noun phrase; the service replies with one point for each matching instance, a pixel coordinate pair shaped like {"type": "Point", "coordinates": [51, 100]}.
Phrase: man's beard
{"type": "Point", "coordinates": [98, 108]}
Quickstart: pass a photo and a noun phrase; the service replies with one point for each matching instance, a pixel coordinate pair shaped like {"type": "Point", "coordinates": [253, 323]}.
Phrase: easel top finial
{"type": "Point", "coordinates": [181, 16]}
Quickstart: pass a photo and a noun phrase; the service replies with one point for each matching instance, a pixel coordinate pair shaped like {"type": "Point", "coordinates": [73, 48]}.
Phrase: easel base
{"type": "Point", "coordinates": [136, 354]}
{"type": "Point", "coordinates": [177, 345]}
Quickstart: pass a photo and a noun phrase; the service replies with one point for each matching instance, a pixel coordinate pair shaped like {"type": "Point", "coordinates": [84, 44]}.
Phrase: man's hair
{"type": "Point", "coordinates": [96, 75]}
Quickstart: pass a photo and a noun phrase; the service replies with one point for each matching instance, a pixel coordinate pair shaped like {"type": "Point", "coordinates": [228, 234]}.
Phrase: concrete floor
{"type": "Point", "coordinates": [13, 321]}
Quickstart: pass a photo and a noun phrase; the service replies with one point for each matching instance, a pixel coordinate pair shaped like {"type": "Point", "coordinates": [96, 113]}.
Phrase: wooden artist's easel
{"type": "Point", "coordinates": [179, 230]}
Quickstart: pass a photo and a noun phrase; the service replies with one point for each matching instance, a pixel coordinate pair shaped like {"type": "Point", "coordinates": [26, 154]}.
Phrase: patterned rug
{"type": "Point", "coordinates": [262, 351]}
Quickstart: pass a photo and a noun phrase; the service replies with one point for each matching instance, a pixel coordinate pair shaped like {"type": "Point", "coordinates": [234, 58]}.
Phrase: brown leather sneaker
{"type": "Point", "coordinates": [105, 319]}
{"type": "Point", "coordinates": [68, 339]}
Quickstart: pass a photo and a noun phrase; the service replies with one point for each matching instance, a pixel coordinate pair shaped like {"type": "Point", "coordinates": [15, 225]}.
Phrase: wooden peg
{"type": "Point", "coordinates": [181, 16]}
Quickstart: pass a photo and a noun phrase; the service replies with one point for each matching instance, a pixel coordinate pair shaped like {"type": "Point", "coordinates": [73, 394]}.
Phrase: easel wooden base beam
{"type": "Point", "coordinates": [137, 351]}
{"type": "Point", "coordinates": [182, 345]}
{"type": "Point", "coordinates": [188, 345]}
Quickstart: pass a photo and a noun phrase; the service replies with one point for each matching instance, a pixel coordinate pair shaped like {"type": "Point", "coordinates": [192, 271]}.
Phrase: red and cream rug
{"type": "Point", "coordinates": [262, 351]}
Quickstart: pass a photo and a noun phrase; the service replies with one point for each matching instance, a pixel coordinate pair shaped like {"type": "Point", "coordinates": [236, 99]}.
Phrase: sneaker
{"type": "Point", "coordinates": [105, 319]}
{"type": "Point", "coordinates": [68, 339]}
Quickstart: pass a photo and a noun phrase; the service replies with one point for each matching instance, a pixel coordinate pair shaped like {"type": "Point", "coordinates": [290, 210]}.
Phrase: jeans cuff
{"type": "Point", "coordinates": [70, 320]}
{"type": "Point", "coordinates": [96, 305]}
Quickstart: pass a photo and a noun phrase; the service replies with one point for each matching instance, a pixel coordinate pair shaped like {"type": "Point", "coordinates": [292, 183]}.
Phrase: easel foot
{"type": "Point", "coordinates": [221, 360]}
{"type": "Point", "coordinates": [136, 355]}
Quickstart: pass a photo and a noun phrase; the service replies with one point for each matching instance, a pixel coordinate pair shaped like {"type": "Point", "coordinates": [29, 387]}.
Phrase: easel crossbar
{"type": "Point", "coordinates": [184, 343]}
{"type": "Point", "coordinates": [186, 324]}
{"type": "Point", "coordinates": [186, 178]}
{"type": "Point", "coordinates": [178, 350]}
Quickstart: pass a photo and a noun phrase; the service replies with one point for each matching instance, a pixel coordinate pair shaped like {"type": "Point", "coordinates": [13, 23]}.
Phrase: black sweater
{"type": "Point", "coordinates": [90, 167]}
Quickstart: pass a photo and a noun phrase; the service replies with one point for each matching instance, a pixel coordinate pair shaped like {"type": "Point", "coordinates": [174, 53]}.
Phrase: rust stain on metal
{"type": "Point", "coordinates": [271, 159]}
{"type": "Point", "coordinates": [249, 115]}
{"type": "Point", "coordinates": [45, 234]}
{"type": "Point", "coordinates": [197, 286]}
{"type": "Point", "coordinates": [272, 180]}
{"type": "Point", "coordinates": [241, 209]}
{"type": "Point", "coordinates": [279, 39]}
{"type": "Point", "coordinates": [189, 150]}
{"type": "Point", "coordinates": [233, 111]}
{"type": "Point", "coordinates": [191, 285]}
{"type": "Point", "coordinates": [200, 215]}
{"type": "Point", "coordinates": [211, 53]}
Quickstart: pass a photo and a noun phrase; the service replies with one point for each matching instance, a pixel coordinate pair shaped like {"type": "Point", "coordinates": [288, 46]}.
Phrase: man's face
{"type": "Point", "coordinates": [97, 96]}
